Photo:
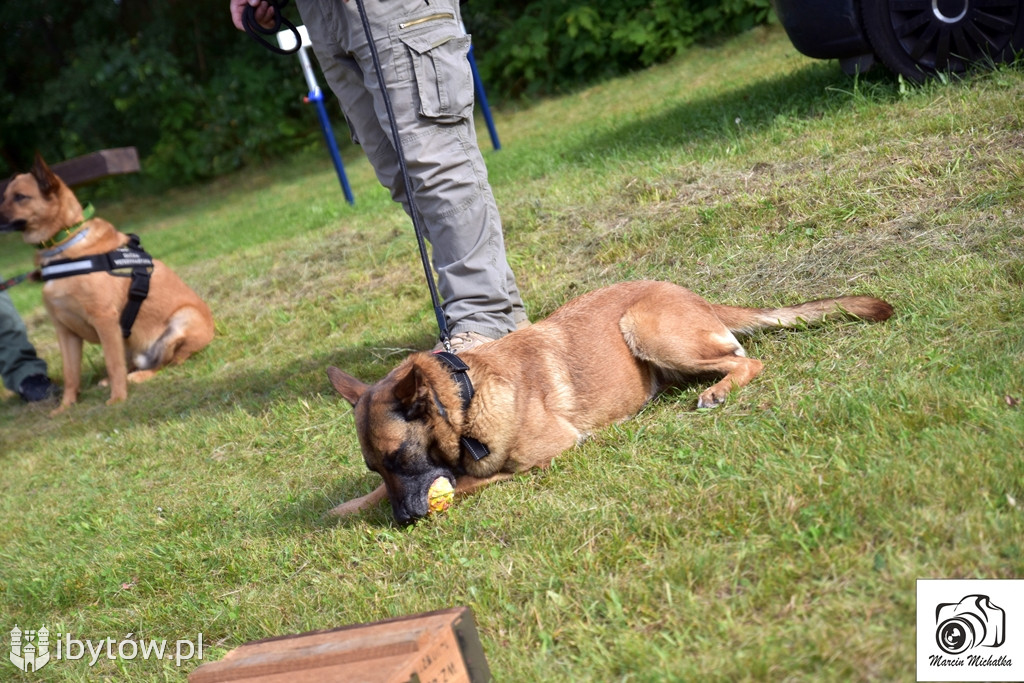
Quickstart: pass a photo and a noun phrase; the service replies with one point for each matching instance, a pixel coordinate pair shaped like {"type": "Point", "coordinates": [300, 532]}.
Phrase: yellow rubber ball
{"type": "Point", "coordinates": [440, 495]}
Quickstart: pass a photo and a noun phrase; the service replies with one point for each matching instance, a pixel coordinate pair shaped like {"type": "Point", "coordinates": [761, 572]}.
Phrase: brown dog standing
{"type": "Point", "coordinates": [172, 322]}
{"type": "Point", "coordinates": [541, 390]}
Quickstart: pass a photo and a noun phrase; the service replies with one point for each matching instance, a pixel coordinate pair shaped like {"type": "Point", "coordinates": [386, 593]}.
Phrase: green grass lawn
{"type": "Point", "coordinates": [777, 537]}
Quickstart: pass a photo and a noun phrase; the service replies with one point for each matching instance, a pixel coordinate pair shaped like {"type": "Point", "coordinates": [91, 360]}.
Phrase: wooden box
{"type": "Point", "coordinates": [438, 647]}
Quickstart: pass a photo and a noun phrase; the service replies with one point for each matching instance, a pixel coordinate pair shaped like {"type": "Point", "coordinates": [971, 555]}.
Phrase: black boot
{"type": "Point", "coordinates": [37, 388]}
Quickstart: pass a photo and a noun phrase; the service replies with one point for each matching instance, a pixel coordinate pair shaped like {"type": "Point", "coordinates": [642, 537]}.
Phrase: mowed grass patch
{"type": "Point", "coordinates": [777, 537]}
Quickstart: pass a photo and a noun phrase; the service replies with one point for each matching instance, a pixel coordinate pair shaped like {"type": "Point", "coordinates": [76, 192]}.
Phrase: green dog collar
{"type": "Point", "coordinates": [87, 212]}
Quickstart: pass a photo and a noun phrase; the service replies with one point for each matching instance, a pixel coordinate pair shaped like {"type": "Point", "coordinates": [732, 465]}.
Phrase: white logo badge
{"type": "Point", "coordinates": [30, 650]}
{"type": "Point", "coordinates": [970, 630]}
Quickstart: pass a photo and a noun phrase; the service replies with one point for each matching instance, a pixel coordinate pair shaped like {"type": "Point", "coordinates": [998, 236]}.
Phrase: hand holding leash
{"type": "Point", "coordinates": [264, 18]}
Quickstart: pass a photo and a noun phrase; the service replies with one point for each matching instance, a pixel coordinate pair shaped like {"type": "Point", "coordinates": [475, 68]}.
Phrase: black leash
{"type": "Point", "coordinates": [458, 367]}
{"type": "Point", "coordinates": [442, 323]}
{"type": "Point", "coordinates": [253, 28]}
{"type": "Point", "coordinates": [16, 280]}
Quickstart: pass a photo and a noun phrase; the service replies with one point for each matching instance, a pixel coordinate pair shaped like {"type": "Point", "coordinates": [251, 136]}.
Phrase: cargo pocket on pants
{"type": "Point", "coordinates": [444, 80]}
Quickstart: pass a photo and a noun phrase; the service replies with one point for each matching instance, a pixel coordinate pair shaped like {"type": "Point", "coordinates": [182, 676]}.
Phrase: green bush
{"type": "Point", "coordinates": [199, 99]}
{"type": "Point", "coordinates": [539, 47]}
{"type": "Point", "coordinates": [195, 96]}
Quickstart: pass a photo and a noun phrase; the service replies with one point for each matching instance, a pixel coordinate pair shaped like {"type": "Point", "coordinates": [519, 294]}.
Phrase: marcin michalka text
{"type": "Point", "coordinates": [970, 660]}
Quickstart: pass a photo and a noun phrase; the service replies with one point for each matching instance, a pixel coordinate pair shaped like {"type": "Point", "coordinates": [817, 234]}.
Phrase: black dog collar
{"type": "Point", "coordinates": [459, 369]}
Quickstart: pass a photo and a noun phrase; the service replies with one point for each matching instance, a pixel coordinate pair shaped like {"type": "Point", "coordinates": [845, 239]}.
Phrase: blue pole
{"type": "Point", "coordinates": [481, 98]}
{"type": "Point", "coordinates": [317, 97]}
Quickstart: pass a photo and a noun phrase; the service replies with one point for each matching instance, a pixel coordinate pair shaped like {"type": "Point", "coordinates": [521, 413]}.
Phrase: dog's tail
{"type": "Point", "coordinates": [741, 320]}
{"type": "Point", "coordinates": [162, 350]}
{"type": "Point", "coordinates": [168, 345]}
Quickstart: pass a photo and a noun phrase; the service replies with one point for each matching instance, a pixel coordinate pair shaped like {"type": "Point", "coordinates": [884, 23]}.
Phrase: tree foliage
{"type": "Point", "coordinates": [198, 98]}
{"type": "Point", "coordinates": [175, 79]}
{"type": "Point", "coordinates": [545, 46]}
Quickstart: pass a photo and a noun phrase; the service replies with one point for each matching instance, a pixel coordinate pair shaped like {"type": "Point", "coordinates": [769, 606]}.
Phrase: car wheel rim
{"type": "Point", "coordinates": [948, 34]}
{"type": "Point", "coordinates": [949, 11]}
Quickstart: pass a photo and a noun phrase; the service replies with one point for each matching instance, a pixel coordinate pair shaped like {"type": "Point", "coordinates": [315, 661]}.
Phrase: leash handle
{"type": "Point", "coordinates": [442, 322]}
{"type": "Point", "coordinates": [254, 29]}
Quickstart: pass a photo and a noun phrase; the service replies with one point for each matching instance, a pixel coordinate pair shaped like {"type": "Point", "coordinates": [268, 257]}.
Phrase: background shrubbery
{"type": "Point", "coordinates": [198, 99]}
{"type": "Point", "coordinates": [540, 47]}
{"type": "Point", "coordinates": [174, 79]}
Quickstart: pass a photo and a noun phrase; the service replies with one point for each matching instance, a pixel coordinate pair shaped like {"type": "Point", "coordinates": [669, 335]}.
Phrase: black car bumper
{"type": "Point", "coordinates": [823, 29]}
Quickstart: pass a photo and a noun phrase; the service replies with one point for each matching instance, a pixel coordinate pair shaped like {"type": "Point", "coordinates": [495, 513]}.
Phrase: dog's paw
{"type": "Point", "coordinates": [140, 376]}
{"type": "Point", "coordinates": [710, 399]}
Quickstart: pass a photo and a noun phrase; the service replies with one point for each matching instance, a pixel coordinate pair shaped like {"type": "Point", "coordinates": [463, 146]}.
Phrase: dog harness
{"type": "Point", "coordinates": [131, 257]}
{"type": "Point", "coordinates": [459, 370]}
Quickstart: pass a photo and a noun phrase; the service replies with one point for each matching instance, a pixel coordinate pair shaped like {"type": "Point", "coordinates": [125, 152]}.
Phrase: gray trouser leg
{"type": "Point", "coordinates": [18, 358]}
{"type": "Point", "coordinates": [422, 50]}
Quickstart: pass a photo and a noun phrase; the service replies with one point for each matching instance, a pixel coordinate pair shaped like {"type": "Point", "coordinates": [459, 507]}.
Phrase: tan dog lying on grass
{"type": "Point", "coordinates": [90, 269]}
{"type": "Point", "coordinates": [541, 390]}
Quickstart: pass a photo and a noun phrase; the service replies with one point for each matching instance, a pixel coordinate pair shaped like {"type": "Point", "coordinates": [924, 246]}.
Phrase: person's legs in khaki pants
{"type": "Point", "coordinates": [422, 50]}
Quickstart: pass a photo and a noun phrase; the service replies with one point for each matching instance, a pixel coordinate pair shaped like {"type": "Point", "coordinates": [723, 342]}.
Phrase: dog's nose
{"type": "Point", "coordinates": [402, 514]}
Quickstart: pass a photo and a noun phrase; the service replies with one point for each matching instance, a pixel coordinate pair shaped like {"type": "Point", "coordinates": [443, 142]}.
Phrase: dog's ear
{"type": "Point", "coordinates": [47, 179]}
{"type": "Point", "coordinates": [346, 385]}
{"type": "Point", "coordinates": [413, 393]}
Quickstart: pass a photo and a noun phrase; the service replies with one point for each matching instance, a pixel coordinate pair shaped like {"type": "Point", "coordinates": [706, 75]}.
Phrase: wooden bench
{"type": "Point", "coordinates": [91, 167]}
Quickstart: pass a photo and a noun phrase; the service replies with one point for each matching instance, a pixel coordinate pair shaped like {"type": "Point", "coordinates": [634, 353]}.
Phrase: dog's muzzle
{"type": "Point", "coordinates": [15, 226]}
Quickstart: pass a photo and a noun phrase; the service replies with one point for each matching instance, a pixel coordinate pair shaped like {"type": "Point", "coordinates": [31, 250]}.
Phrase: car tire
{"type": "Point", "coordinates": [921, 38]}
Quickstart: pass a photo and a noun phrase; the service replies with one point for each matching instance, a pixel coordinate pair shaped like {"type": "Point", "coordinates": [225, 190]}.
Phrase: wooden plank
{"type": "Point", "coordinates": [102, 164]}
{"type": "Point", "coordinates": [439, 647]}
{"type": "Point", "coordinates": [313, 652]}
{"type": "Point", "coordinates": [91, 167]}
{"type": "Point", "coordinates": [353, 672]}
